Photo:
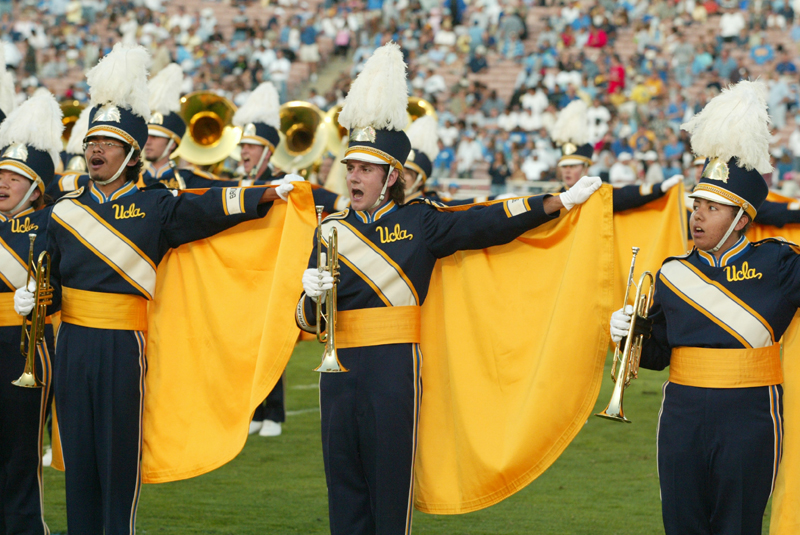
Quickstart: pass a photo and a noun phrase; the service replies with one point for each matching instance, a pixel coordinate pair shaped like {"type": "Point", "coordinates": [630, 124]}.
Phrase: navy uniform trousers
{"type": "Point", "coordinates": [100, 400]}
{"type": "Point", "coordinates": [719, 447]}
{"type": "Point", "coordinates": [718, 454]}
{"type": "Point", "coordinates": [370, 414]}
{"type": "Point", "coordinates": [374, 410]}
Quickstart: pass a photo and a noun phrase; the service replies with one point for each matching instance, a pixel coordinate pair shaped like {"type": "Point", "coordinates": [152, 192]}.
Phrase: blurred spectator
{"type": "Point", "coordinates": [621, 172]}
{"type": "Point", "coordinates": [499, 171]}
{"type": "Point", "coordinates": [730, 24]}
{"type": "Point", "coordinates": [762, 52]}
{"type": "Point", "coordinates": [468, 153]}
{"type": "Point", "coordinates": [785, 65]}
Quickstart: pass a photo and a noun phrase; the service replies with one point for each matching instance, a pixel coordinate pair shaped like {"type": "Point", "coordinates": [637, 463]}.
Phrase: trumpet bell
{"type": "Point", "coordinates": [209, 137]}
{"type": "Point", "coordinates": [27, 380]}
{"type": "Point", "coordinates": [330, 363]}
{"type": "Point", "coordinates": [303, 137]}
{"type": "Point", "coordinates": [614, 410]}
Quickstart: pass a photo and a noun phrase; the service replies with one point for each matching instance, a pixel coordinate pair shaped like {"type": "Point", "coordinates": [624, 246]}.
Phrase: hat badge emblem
{"type": "Point", "coordinates": [411, 156]}
{"type": "Point", "coordinates": [717, 170]}
{"type": "Point", "coordinates": [569, 148]}
{"type": "Point", "coordinates": [107, 113]}
{"type": "Point", "coordinates": [17, 151]}
{"type": "Point", "coordinates": [157, 118]}
{"type": "Point", "coordinates": [366, 133]}
{"type": "Point", "coordinates": [250, 129]}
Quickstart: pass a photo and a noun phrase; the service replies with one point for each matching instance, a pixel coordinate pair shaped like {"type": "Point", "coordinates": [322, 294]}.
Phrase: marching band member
{"type": "Point", "coordinates": [571, 132]}
{"type": "Point", "coordinates": [717, 317]}
{"type": "Point", "coordinates": [419, 166]}
{"type": "Point", "coordinates": [106, 240]}
{"type": "Point", "coordinates": [165, 129]}
{"type": "Point", "coordinates": [388, 251]}
{"type": "Point", "coordinates": [30, 139]}
{"type": "Point", "coordinates": [74, 175]}
{"type": "Point", "coordinates": [259, 119]}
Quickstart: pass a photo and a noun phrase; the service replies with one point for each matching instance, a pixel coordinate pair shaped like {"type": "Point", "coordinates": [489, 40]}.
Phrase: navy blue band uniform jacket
{"type": "Point", "coordinates": [388, 257]}
{"type": "Point", "coordinates": [114, 244]}
{"type": "Point", "coordinates": [758, 284]}
{"type": "Point", "coordinates": [22, 410]}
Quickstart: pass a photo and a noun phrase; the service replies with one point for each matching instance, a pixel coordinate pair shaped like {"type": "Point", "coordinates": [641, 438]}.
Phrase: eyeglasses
{"type": "Point", "coordinates": [100, 144]}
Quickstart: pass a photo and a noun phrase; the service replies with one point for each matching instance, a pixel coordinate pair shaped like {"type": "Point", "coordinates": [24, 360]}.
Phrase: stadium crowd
{"type": "Point", "coordinates": [645, 67]}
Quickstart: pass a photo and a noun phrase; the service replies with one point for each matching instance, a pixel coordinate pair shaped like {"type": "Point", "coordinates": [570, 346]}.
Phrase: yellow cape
{"type": "Point", "coordinates": [659, 230]}
{"type": "Point", "coordinates": [221, 330]}
{"type": "Point", "coordinates": [514, 343]}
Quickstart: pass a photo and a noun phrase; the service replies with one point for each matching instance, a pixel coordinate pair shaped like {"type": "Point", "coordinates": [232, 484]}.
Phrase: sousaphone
{"type": "Point", "coordinates": [210, 136]}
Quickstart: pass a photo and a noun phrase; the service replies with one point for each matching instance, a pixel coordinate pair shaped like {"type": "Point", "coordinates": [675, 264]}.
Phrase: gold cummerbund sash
{"type": "Point", "coordinates": [98, 310]}
{"type": "Point", "coordinates": [8, 316]}
{"type": "Point", "coordinates": [377, 326]}
{"type": "Point", "coordinates": [726, 368]}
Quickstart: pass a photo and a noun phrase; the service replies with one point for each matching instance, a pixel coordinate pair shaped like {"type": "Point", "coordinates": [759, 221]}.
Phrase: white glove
{"type": "Point", "coordinates": [620, 323]}
{"type": "Point", "coordinates": [316, 282]}
{"type": "Point", "coordinates": [581, 191]}
{"type": "Point", "coordinates": [285, 185]}
{"type": "Point", "coordinates": [670, 183]}
{"type": "Point", "coordinates": [24, 299]}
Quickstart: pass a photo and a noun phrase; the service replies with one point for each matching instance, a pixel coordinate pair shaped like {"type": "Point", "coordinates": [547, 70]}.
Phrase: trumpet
{"type": "Point", "coordinates": [330, 360]}
{"type": "Point", "coordinates": [625, 367]}
{"type": "Point", "coordinates": [33, 329]}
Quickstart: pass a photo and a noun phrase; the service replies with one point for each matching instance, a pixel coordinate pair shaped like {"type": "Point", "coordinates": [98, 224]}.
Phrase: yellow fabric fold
{"type": "Point", "coordinates": [659, 230]}
{"type": "Point", "coordinates": [514, 343]}
{"type": "Point", "coordinates": [221, 330]}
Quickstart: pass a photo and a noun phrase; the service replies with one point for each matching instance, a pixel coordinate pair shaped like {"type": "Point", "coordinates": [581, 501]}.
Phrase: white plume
{"type": "Point", "coordinates": [572, 125]}
{"type": "Point", "coordinates": [79, 129]}
{"type": "Point", "coordinates": [262, 106]}
{"type": "Point", "coordinates": [165, 90]}
{"type": "Point", "coordinates": [7, 92]}
{"type": "Point", "coordinates": [379, 95]}
{"type": "Point", "coordinates": [734, 124]}
{"type": "Point", "coordinates": [37, 123]}
{"type": "Point", "coordinates": [120, 78]}
{"type": "Point", "coordinates": [423, 136]}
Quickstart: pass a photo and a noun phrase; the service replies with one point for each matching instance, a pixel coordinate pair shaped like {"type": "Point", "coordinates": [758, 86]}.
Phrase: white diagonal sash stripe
{"type": "Point", "coordinates": [10, 267]}
{"type": "Point", "coordinates": [114, 250]}
{"type": "Point", "coordinates": [717, 303]}
{"type": "Point", "coordinates": [372, 264]}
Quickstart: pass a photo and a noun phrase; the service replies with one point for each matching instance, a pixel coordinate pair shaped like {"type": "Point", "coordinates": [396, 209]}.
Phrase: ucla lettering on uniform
{"type": "Point", "coordinates": [396, 235]}
{"type": "Point", "coordinates": [745, 273]}
{"type": "Point", "coordinates": [19, 226]}
{"type": "Point", "coordinates": [120, 212]}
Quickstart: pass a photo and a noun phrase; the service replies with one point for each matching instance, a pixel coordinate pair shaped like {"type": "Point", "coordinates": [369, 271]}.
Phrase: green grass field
{"type": "Point", "coordinates": [604, 483]}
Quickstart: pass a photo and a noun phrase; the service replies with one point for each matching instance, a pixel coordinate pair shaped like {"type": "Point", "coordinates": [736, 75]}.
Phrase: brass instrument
{"type": "Point", "coordinates": [33, 329]}
{"type": "Point", "coordinates": [419, 107]}
{"type": "Point", "coordinates": [72, 110]}
{"type": "Point", "coordinates": [210, 136]}
{"type": "Point", "coordinates": [625, 367]}
{"type": "Point", "coordinates": [304, 137]}
{"type": "Point", "coordinates": [330, 360]}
